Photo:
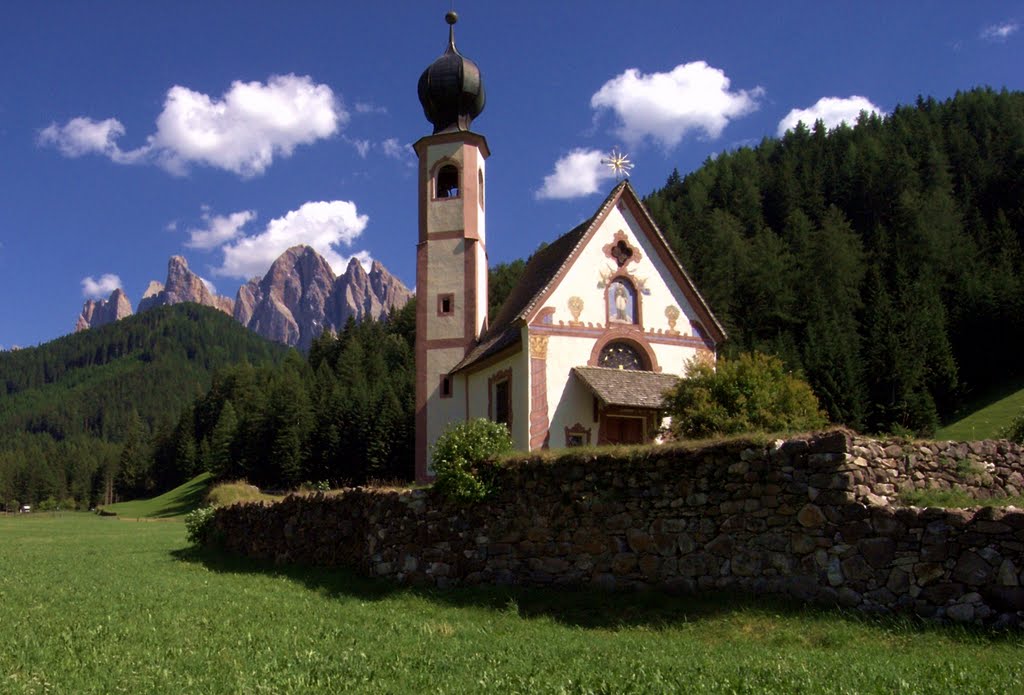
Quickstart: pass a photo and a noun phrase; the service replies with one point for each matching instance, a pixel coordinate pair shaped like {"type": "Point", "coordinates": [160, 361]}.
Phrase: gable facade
{"type": "Point", "coordinates": [618, 302]}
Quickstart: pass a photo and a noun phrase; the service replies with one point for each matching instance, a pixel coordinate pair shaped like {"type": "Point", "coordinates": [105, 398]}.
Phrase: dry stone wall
{"type": "Point", "coordinates": [816, 518]}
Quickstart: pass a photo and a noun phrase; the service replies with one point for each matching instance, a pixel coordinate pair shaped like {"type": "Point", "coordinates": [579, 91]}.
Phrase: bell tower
{"type": "Point", "coordinates": [451, 252]}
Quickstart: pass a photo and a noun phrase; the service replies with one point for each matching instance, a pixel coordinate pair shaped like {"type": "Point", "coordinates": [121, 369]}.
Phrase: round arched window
{"type": "Point", "coordinates": [447, 184]}
{"type": "Point", "coordinates": [620, 355]}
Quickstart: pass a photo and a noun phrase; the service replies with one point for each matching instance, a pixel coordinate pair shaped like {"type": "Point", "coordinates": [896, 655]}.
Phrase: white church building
{"type": "Point", "coordinates": [601, 323]}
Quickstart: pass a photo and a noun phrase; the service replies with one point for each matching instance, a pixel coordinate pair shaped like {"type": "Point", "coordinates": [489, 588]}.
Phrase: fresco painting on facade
{"type": "Point", "coordinates": [621, 302]}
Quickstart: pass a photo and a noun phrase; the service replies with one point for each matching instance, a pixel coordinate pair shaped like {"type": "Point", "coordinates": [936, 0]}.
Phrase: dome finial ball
{"type": "Point", "coordinates": [452, 17]}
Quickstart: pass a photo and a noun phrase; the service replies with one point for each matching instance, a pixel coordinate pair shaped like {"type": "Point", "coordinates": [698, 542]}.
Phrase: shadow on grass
{"type": "Point", "coordinates": [590, 608]}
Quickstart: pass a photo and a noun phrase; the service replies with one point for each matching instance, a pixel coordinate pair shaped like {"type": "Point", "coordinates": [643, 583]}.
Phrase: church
{"type": "Point", "coordinates": [601, 323]}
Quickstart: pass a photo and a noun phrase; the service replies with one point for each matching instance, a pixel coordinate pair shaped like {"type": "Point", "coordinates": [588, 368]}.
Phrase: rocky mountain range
{"type": "Point", "coordinates": [298, 298]}
{"type": "Point", "coordinates": [99, 312]}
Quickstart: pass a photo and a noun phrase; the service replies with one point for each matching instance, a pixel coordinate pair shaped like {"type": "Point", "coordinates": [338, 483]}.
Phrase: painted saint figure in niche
{"type": "Point", "coordinates": [621, 302]}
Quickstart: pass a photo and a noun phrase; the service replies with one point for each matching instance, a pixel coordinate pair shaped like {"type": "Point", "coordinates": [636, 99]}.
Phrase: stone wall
{"type": "Point", "coordinates": [813, 517]}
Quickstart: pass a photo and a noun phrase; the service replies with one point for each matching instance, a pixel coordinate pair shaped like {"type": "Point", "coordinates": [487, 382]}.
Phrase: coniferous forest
{"type": "Point", "coordinates": [78, 414]}
{"type": "Point", "coordinates": [342, 414]}
{"type": "Point", "coordinates": [881, 260]}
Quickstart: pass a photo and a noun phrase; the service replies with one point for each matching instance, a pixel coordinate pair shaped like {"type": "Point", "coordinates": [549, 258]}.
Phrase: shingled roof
{"type": "Point", "coordinates": [625, 387]}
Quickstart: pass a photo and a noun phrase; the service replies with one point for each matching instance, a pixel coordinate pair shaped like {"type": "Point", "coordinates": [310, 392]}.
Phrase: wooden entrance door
{"type": "Point", "coordinates": [623, 430]}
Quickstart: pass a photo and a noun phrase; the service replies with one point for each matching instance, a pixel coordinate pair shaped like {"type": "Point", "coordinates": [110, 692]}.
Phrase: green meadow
{"type": "Point", "coordinates": [986, 418]}
{"type": "Point", "coordinates": [177, 502]}
{"type": "Point", "coordinates": [101, 605]}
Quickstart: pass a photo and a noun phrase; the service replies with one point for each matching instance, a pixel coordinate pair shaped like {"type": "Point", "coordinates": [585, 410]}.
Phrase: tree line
{"type": "Point", "coordinates": [72, 408]}
{"type": "Point", "coordinates": [882, 260]}
{"type": "Point", "coordinates": [343, 414]}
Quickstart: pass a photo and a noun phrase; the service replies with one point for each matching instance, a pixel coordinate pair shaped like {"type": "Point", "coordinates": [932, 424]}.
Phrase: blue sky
{"type": "Point", "coordinates": [225, 132]}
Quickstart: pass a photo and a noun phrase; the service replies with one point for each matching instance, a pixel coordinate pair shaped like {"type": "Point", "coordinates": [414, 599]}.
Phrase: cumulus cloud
{"type": "Point", "coordinates": [81, 136]}
{"type": "Point", "coordinates": [327, 226]}
{"type": "Point", "coordinates": [576, 174]}
{"type": "Point", "coordinates": [830, 110]}
{"type": "Point", "coordinates": [100, 289]}
{"type": "Point", "coordinates": [242, 131]}
{"type": "Point", "coordinates": [665, 106]}
{"type": "Point", "coordinates": [219, 229]}
{"type": "Point", "coordinates": [999, 32]}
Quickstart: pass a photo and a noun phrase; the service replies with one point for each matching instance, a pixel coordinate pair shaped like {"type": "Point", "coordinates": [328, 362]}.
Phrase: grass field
{"type": "Point", "coordinates": [188, 496]}
{"type": "Point", "coordinates": [177, 502]}
{"type": "Point", "coordinates": [94, 605]}
{"type": "Point", "coordinates": [987, 418]}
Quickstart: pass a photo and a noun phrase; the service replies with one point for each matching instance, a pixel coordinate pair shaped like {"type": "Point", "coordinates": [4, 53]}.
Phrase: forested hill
{"type": "Point", "coordinates": [69, 406]}
{"type": "Point", "coordinates": [883, 259]}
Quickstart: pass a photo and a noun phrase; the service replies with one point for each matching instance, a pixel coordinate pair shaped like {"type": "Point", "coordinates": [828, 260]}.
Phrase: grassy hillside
{"type": "Point", "coordinates": [985, 420]}
{"type": "Point", "coordinates": [156, 617]}
{"type": "Point", "coordinates": [68, 407]}
{"type": "Point", "coordinates": [177, 502]}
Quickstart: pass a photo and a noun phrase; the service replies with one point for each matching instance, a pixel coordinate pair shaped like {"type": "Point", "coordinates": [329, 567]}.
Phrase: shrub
{"type": "Point", "coordinates": [458, 453]}
{"type": "Point", "coordinates": [199, 527]}
{"type": "Point", "coordinates": [753, 393]}
{"type": "Point", "coordinates": [1015, 430]}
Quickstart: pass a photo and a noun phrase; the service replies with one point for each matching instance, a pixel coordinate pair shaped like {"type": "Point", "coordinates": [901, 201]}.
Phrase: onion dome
{"type": "Point", "coordinates": [451, 89]}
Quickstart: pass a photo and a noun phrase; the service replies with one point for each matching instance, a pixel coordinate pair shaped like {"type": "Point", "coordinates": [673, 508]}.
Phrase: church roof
{"type": "Point", "coordinates": [625, 387]}
{"type": "Point", "coordinates": [547, 266]}
{"type": "Point", "coordinates": [451, 89]}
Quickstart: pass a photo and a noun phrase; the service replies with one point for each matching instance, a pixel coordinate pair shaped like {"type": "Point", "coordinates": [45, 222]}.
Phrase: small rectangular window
{"type": "Point", "coordinates": [502, 402]}
{"type": "Point", "coordinates": [445, 304]}
{"type": "Point", "coordinates": [574, 439]}
{"type": "Point", "coordinates": [446, 386]}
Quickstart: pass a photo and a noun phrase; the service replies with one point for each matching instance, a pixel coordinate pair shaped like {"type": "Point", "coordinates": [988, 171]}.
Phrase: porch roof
{"type": "Point", "coordinates": [625, 387]}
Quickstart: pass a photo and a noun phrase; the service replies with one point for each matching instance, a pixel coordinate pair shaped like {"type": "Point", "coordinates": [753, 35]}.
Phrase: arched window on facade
{"type": "Point", "coordinates": [447, 183]}
{"type": "Point", "coordinates": [620, 354]}
{"type": "Point", "coordinates": [480, 188]}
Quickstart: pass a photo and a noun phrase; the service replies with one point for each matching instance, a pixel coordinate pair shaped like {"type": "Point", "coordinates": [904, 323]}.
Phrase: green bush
{"type": "Point", "coordinates": [458, 453]}
{"type": "Point", "coordinates": [199, 527]}
{"type": "Point", "coordinates": [753, 393]}
{"type": "Point", "coordinates": [1015, 430]}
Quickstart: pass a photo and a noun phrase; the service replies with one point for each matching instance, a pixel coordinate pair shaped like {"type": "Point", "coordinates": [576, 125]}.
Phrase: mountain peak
{"type": "Point", "coordinates": [355, 269]}
{"type": "Point", "coordinates": [99, 312]}
{"type": "Point", "coordinates": [182, 286]}
{"type": "Point", "coordinates": [295, 301]}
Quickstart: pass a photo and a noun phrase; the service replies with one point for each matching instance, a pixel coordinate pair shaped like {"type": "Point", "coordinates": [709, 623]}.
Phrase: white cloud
{"type": "Point", "coordinates": [219, 229]}
{"type": "Point", "coordinates": [392, 148]}
{"type": "Point", "coordinates": [242, 131]}
{"type": "Point", "coordinates": [666, 106]}
{"type": "Point", "coordinates": [576, 174]}
{"type": "Point", "coordinates": [324, 225]}
{"type": "Point", "coordinates": [100, 289]}
{"type": "Point", "coordinates": [367, 107]}
{"type": "Point", "coordinates": [362, 147]}
{"type": "Point", "coordinates": [999, 32]}
{"type": "Point", "coordinates": [831, 110]}
{"type": "Point", "coordinates": [209, 285]}
{"type": "Point", "coordinates": [81, 136]}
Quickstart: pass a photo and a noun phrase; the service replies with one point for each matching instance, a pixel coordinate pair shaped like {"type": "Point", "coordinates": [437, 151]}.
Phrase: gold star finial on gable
{"type": "Point", "coordinates": [619, 163]}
